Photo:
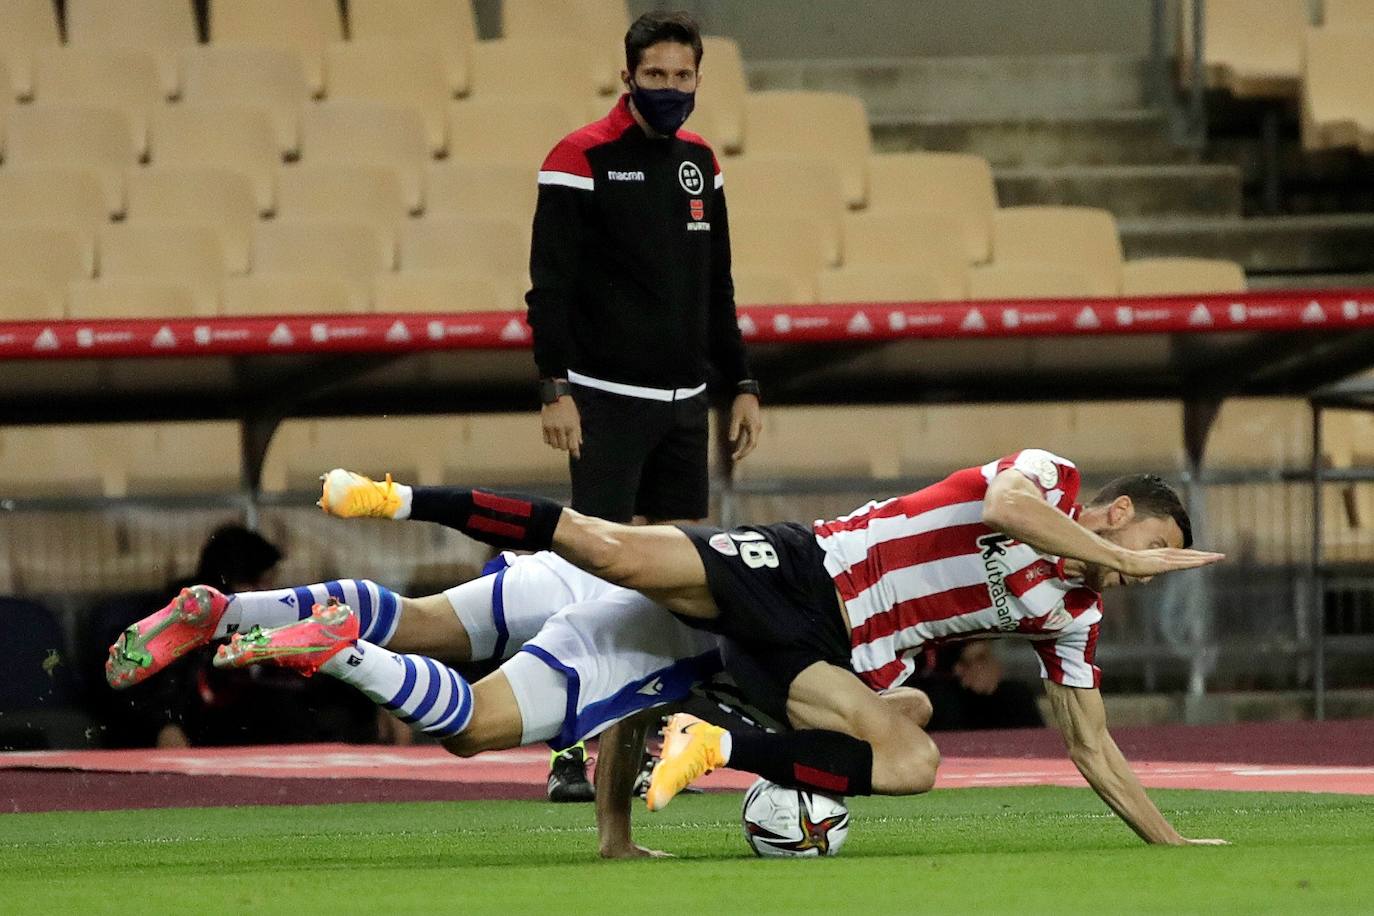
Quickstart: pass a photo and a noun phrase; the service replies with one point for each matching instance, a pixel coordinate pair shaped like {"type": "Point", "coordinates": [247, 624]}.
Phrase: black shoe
{"type": "Point", "coordinates": [568, 776]}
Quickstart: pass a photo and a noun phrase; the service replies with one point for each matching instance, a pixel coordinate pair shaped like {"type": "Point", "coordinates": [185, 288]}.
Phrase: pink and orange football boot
{"type": "Point", "coordinates": [301, 646]}
{"type": "Point", "coordinates": [145, 648]}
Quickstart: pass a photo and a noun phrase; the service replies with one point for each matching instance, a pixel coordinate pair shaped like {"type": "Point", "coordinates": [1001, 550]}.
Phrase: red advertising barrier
{"type": "Point", "coordinates": [1310, 310]}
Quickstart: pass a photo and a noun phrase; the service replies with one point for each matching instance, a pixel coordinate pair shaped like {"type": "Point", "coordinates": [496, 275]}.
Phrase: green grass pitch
{"type": "Point", "coordinates": [1029, 850]}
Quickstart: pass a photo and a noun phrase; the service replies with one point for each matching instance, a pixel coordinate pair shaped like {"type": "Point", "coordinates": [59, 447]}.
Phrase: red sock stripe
{"type": "Point", "coordinates": [828, 782]}
{"type": "Point", "coordinates": [503, 504]}
{"type": "Point", "coordinates": [500, 529]}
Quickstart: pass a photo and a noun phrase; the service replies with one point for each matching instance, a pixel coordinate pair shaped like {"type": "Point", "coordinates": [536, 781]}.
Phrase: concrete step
{"type": "Point", "coordinates": [1128, 190]}
{"type": "Point", "coordinates": [1131, 137]}
{"type": "Point", "coordinates": [1335, 243]}
{"type": "Point", "coordinates": [979, 86]}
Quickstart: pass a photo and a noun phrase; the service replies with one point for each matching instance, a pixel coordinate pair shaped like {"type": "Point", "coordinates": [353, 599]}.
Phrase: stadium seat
{"type": "Point", "coordinates": [1028, 281]}
{"type": "Point", "coordinates": [26, 26]}
{"type": "Point", "coordinates": [160, 27]}
{"type": "Point", "coordinates": [809, 188]}
{"type": "Point", "coordinates": [501, 450]}
{"type": "Point", "coordinates": [368, 194]}
{"type": "Point", "coordinates": [76, 136]}
{"type": "Point", "coordinates": [958, 183]}
{"type": "Point", "coordinates": [566, 72]}
{"type": "Point", "coordinates": [801, 443]}
{"type": "Point", "coordinates": [73, 197]}
{"type": "Point", "coordinates": [1337, 101]}
{"type": "Point", "coordinates": [110, 78]}
{"type": "Point", "coordinates": [762, 286]}
{"type": "Point", "coordinates": [1177, 276]}
{"type": "Point", "coordinates": [719, 112]}
{"type": "Point", "coordinates": [292, 257]}
{"type": "Point", "coordinates": [929, 240]}
{"type": "Point", "coordinates": [1346, 14]}
{"type": "Point", "coordinates": [482, 188]}
{"type": "Point", "coordinates": [196, 135]}
{"type": "Point", "coordinates": [513, 130]}
{"type": "Point", "coordinates": [268, 293]}
{"type": "Point", "coordinates": [186, 254]}
{"type": "Point", "coordinates": [393, 72]}
{"type": "Point", "coordinates": [303, 26]}
{"type": "Point", "coordinates": [951, 436]}
{"type": "Point", "coordinates": [830, 125]}
{"type": "Point", "coordinates": [762, 240]}
{"type": "Point", "coordinates": [48, 461]}
{"type": "Point", "coordinates": [409, 448]}
{"type": "Point", "coordinates": [446, 24]}
{"type": "Point", "coordinates": [491, 244]}
{"type": "Point", "coordinates": [440, 290]}
{"type": "Point", "coordinates": [180, 459]}
{"type": "Point", "coordinates": [369, 133]}
{"type": "Point", "coordinates": [596, 24]}
{"type": "Point", "coordinates": [117, 299]}
{"type": "Point", "coordinates": [1253, 48]}
{"type": "Point", "coordinates": [8, 92]}
{"type": "Point", "coordinates": [884, 283]}
{"type": "Point", "coordinates": [1260, 433]}
{"type": "Point", "coordinates": [1119, 437]}
{"type": "Point", "coordinates": [266, 78]}
{"type": "Point", "coordinates": [216, 196]}
{"type": "Point", "coordinates": [36, 264]}
{"type": "Point", "coordinates": [1078, 239]}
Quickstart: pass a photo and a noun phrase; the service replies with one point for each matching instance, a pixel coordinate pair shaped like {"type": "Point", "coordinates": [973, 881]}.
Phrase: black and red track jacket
{"type": "Point", "coordinates": [630, 259]}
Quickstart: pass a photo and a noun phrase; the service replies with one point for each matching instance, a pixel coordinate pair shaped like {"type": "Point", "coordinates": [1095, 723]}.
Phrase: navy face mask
{"type": "Point", "coordinates": [664, 110]}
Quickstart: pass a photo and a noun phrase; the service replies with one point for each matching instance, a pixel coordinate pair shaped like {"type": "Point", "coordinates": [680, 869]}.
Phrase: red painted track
{"type": "Point", "coordinates": [1294, 757]}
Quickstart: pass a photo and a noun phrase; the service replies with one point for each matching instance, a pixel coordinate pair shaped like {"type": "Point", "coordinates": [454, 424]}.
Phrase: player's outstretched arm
{"type": "Point", "coordinates": [1014, 506]}
{"type": "Point", "coordinates": [1082, 719]}
{"type": "Point", "coordinates": [617, 765]}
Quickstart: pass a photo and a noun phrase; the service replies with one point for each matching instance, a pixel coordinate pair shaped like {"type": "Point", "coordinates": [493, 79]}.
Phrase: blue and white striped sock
{"type": "Point", "coordinates": [378, 608]}
{"type": "Point", "coordinates": [419, 690]}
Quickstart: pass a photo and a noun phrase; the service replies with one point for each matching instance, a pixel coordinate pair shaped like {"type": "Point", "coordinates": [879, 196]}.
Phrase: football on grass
{"type": "Point", "coordinates": [781, 822]}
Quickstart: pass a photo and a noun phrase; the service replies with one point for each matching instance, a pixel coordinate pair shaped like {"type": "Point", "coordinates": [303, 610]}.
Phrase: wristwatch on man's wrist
{"type": "Point", "coordinates": [748, 386]}
{"type": "Point", "coordinates": [551, 389]}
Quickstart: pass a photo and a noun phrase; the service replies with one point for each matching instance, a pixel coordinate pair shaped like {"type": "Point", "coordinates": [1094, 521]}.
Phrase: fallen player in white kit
{"type": "Point", "coordinates": [582, 657]}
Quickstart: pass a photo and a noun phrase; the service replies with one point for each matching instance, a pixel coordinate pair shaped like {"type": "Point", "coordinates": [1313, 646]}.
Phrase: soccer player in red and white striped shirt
{"type": "Point", "coordinates": [818, 619]}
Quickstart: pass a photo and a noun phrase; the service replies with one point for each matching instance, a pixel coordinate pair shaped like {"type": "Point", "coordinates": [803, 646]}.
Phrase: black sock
{"type": "Point", "coordinates": [814, 760]}
{"type": "Point", "coordinates": [519, 522]}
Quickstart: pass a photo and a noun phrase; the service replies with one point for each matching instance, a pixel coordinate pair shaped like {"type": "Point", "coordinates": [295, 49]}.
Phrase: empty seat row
{"type": "Point", "coordinates": [1337, 99]}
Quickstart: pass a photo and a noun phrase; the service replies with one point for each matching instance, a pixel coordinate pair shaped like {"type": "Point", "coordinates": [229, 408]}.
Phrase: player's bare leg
{"type": "Point", "coordinates": [428, 625]}
{"type": "Point", "coordinates": [496, 723]}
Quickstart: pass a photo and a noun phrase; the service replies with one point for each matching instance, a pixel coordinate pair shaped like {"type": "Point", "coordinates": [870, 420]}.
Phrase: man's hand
{"type": "Point", "coordinates": [632, 851]}
{"type": "Point", "coordinates": [563, 426]}
{"type": "Point", "coordinates": [746, 425]}
{"type": "Point", "coordinates": [1142, 564]}
{"type": "Point", "coordinates": [978, 668]}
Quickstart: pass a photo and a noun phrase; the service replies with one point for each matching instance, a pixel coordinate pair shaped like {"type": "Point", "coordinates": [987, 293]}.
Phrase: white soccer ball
{"type": "Point", "coordinates": [788, 823]}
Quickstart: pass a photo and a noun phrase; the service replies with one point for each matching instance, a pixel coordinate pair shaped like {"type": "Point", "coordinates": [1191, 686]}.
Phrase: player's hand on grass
{"type": "Point", "coordinates": [746, 425]}
{"type": "Point", "coordinates": [632, 851]}
{"type": "Point", "coordinates": [563, 426]}
{"type": "Point", "coordinates": [1142, 564]}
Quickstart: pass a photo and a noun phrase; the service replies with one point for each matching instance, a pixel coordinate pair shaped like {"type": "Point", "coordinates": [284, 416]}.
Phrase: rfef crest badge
{"type": "Point", "coordinates": [698, 208]}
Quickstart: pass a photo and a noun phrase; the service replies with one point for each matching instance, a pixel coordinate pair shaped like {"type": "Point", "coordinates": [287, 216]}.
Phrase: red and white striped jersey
{"type": "Point", "coordinates": [921, 570]}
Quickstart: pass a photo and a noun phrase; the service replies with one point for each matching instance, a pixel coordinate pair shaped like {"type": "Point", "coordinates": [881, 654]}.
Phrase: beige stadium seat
{"type": "Point", "coordinates": [407, 447]}
{"type": "Point", "coordinates": [160, 27]}
{"type": "Point", "coordinates": [597, 24]}
{"type": "Point", "coordinates": [1119, 437]}
{"type": "Point", "coordinates": [39, 461]}
{"type": "Point", "coordinates": [212, 136]}
{"type": "Point", "coordinates": [512, 130]}
{"type": "Point", "coordinates": [1263, 433]}
{"type": "Point", "coordinates": [217, 196]}
{"type": "Point", "coordinates": [760, 239]}
{"type": "Point", "coordinates": [264, 294]}
{"type": "Point", "coordinates": [179, 459]}
{"type": "Point", "coordinates": [1079, 239]}
{"type": "Point", "coordinates": [303, 26]}
{"type": "Point", "coordinates": [946, 437]}
{"type": "Point", "coordinates": [884, 283]}
{"type": "Point", "coordinates": [36, 264]}
{"type": "Point", "coordinates": [369, 133]}
{"type": "Point", "coordinates": [490, 244]}
{"type": "Point", "coordinates": [809, 188]}
{"type": "Point", "coordinates": [189, 254]}
{"type": "Point", "coordinates": [764, 286]}
{"type": "Point", "coordinates": [1023, 280]}
{"type": "Point", "coordinates": [1338, 90]}
{"type": "Point", "coordinates": [449, 290]}
{"type": "Point", "coordinates": [719, 112]}
{"type": "Point", "coordinates": [446, 24]}
{"type": "Point", "coordinates": [310, 266]}
{"type": "Point", "coordinates": [115, 299]}
{"type": "Point", "coordinates": [926, 239]}
{"type": "Point", "coordinates": [958, 183]}
{"type": "Point", "coordinates": [367, 194]}
{"type": "Point", "coordinates": [1177, 276]}
{"type": "Point", "coordinates": [819, 442]}
{"type": "Point", "coordinates": [1346, 14]}
{"type": "Point", "coordinates": [75, 136]}
{"type": "Point", "coordinates": [110, 78]}
{"type": "Point", "coordinates": [73, 197]}
{"type": "Point", "coordinates": [482, 188]}
{"type": "Point", "coordinates": [1251, 47]}
{"type": "Point", "coordinates": [501, 450]}
{"type": "Point", "coordinates": [26, 26]}
{"type": "Point", "coordinates": [396, 73]}
{"type": "Point", "coordinates": [252, 77]}
{"type": "Point", "coordinates": [566, 72]}
{"type": "Point", "coordinates": [831, 125]}
{"type": "Point", "coordinates": [8, 92]}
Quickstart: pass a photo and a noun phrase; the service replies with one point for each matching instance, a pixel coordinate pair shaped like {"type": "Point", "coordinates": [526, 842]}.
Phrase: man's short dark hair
{"type": "Point", "coordinates": [1152, 497]}
{"type": "Point", "coordinates": [652, 28]}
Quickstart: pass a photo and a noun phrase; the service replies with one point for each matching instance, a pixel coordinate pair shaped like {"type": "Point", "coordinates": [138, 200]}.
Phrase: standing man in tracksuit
{"type": "Point", "coordinates": [632, 304]}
